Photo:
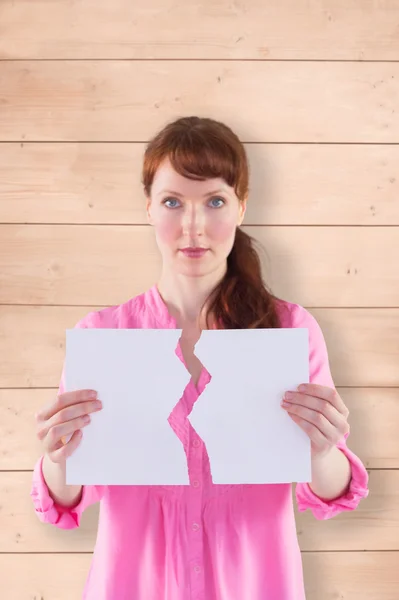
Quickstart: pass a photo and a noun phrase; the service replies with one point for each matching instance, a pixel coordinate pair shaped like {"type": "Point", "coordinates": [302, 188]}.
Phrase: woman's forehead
{"type": "Point", "coordinates": [168, 180]}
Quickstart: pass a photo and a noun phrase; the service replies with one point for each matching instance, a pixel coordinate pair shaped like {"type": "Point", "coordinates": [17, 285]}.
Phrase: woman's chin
{"type": "Point", "coordinates": [194, 272]}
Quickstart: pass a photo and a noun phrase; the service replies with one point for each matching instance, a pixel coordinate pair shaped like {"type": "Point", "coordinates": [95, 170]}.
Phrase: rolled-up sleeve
{"type": "Point", "coordinates": [50, 512]}
{"type": "Point", "coordinates": [358, 489]}
{"type": "Point", "coordinates": [45, 508]}
{"type": "Point", "coordinates": [320, 373]}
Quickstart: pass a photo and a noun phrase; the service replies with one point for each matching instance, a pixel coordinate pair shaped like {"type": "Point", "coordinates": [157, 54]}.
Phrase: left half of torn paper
{"type": "Point", "coordinates": [139, 380]}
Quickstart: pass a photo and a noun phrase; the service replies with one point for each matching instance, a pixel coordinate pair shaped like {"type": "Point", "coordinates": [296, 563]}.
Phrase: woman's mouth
{"type": "Point", "coordinates": [194, 252]}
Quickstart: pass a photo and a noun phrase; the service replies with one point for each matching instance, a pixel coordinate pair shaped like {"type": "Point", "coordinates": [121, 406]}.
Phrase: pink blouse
{"type": "Point", "coordinates": [200, 541]}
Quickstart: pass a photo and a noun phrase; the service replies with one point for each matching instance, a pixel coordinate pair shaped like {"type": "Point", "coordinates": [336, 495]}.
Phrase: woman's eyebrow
{"type": "Point", "coordinates": [182, 195]}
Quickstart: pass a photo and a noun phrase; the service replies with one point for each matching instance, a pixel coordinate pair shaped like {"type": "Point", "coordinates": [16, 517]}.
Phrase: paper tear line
{"type": "Point", "coordinates": [180, 404]}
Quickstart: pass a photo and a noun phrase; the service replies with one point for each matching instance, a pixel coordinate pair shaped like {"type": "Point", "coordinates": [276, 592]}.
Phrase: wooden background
{"type": "Point", "coordinates": [311, 88]}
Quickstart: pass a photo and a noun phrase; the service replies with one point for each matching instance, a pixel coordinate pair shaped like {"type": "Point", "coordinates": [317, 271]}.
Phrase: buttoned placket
{"type": "Point", "coordinates": [195, 460]}
{"type": "Point", "coordinates": [194, 522]}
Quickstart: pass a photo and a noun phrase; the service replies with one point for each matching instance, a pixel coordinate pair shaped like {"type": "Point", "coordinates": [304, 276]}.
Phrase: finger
{"type": "Point", "coordinates": [68, 414]}
{"type": "Point", "coordinates": [317, 420]}
{"type": "Point", "coordinates": [317, 404]}
{"type": "Point", "coordinates": [52, 441]}
{"type": "Point", "coordinates": [65, 439]}
{"type": "Point", "coordinates": [313, 432]}
{"type": "Point", "coordinates": [66, 450]}
{"type": "Point", "coordinates": [325, 393]}
{"type": "Point", "coordinates": [63, 400]}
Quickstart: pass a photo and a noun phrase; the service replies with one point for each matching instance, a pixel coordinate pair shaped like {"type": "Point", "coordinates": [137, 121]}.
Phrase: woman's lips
{"type": "Point", "coordinates": [194, 252]}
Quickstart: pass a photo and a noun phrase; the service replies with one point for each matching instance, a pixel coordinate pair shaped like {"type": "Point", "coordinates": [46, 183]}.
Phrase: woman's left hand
{"type": "Point", "coordinates": [321, 413]}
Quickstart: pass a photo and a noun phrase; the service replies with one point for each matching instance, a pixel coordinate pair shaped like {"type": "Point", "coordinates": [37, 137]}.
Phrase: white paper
{"type": "Point", "coordinates": [139, 380]}
{"type": "Point", "coordinates": [248, 436]}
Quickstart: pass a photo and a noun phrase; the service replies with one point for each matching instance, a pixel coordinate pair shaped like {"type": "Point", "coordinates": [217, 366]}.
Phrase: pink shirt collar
{"type": "Point", "coordinates": [159, 309]}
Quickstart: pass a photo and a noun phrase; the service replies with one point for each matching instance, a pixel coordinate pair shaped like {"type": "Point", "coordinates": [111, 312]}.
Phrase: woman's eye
{"type": "Point", "coordinates": [170, 200]}
{"type": "Point", "coordinates": [173, 202]}
{"type": "Point", "coordinates": [218, 199]}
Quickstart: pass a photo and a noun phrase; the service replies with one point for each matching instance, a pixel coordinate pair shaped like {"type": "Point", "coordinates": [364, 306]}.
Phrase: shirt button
{"type": "Point", "coordinates": [196, 483]}
{"type": "Point", "coordinates": [195, 526]}
{"type": "Point", "coordinates": [196, 443]}
{"type": "Point", "coordinates": [197, 568]}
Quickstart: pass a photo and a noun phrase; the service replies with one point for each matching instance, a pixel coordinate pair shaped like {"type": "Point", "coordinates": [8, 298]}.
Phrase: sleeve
{"type": "Point", "coordinates": [45, 508]}
{"type": "Point", "coordinates": [50, 512]}
{"type": "Point", "coordinates": [320, 373]}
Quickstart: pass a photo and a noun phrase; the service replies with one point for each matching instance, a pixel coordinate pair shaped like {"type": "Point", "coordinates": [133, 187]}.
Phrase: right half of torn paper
{"type": "Point", "coordinates": [248, 435]}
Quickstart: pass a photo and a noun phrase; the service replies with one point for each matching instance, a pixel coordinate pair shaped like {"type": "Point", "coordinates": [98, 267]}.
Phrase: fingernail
{"type": "Point", "coordinates": [90, 395]}
{"type": "Point", "coordinates": [289, 395]}
{"type": "Point", "coordinates": [98, 404]}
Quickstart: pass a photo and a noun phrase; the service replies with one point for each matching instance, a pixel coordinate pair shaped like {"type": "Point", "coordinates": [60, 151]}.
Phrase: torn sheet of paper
{"type": "Point", "coordinates": [139, 380]}
{"type": "Point", "coordinates": [248, 436]}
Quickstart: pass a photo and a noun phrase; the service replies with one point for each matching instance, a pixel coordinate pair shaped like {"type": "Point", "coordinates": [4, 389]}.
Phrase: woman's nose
{"type": "Point", "coordinates": [193, 221]}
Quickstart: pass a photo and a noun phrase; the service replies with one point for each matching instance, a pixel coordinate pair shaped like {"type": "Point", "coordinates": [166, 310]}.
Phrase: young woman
{"type": "Point", "coordinates": [201, 541]}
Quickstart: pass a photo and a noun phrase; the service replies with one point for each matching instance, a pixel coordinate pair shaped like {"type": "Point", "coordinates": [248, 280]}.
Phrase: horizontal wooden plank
{"type": "Point", "coordinates": [351, 575]}
{"type": "Point", "coordinates": [23, 532]}
{"type": "Point", "coordinates": [45, 577]}
{"type": "Point", "coordinates": [274, 30]}
{"type": "Point", "coordinates": [374, 415]}
{"type": "Point", "coordinates": [362, 344]}
{"type": "Point", "coordinates": [291, 184]}
{"type": "Point", "coordinates": [131, 100]}
{"type": "Point", "coordinates": [328, 575]}
{"type": "Point", "coordinates": [374, 525]}
{"type": "Point", "coordinates": [95, 264]}
{"type": "Point", "coordinates": [33, 339]}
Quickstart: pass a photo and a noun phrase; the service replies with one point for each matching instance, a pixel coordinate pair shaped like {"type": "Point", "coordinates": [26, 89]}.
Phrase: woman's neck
{"type": "Point", "coordinates": [185, 296]}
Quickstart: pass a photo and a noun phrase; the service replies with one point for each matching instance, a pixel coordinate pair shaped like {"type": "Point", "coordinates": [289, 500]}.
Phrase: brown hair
{"type": "Point", "coordinates": [199, 149]}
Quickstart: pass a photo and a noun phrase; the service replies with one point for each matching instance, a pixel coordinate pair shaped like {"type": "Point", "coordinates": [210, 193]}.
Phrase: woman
{"type": "Point", "coordinates": [201, 541]}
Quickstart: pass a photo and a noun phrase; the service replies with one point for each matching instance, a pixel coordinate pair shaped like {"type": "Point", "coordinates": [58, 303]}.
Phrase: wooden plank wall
{"type": "Point", "coordinates": [312, 90]}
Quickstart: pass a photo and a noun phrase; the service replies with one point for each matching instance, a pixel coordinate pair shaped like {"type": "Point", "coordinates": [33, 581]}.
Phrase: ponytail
{"type": "Point", "coordinates": [242, 300]}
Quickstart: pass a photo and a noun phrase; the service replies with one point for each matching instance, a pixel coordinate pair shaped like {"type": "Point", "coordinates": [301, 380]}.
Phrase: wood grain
{"type": "Point", "coordinates": [290, 184]}
{"type": "Point", "coordinates": [362, 344]}
{"type": "Point", "coordinates": [293, 101]}
{"type": "Point", "coordinates": [351, 575]}
{"type": "Point", "coordinates": [94, 264]}
{"type": "Point", "coordinates": [278, 29]}
{"type": "Point", "coordinates": [309, 89]}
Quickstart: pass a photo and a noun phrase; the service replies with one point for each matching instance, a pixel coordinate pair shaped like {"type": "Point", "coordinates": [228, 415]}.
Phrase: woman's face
{"type": "Point", "coordinates": [188, 215]}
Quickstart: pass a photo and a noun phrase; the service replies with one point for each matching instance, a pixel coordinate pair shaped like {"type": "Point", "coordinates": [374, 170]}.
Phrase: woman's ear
{"type": "Point", "coordinates": [242, 210]}
{"type": "Point", "coordinates": [148, 209]}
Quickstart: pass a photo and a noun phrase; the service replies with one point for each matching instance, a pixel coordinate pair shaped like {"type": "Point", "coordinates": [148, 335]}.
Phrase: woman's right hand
{"type": "Point", "coordinates": [65, 418]}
